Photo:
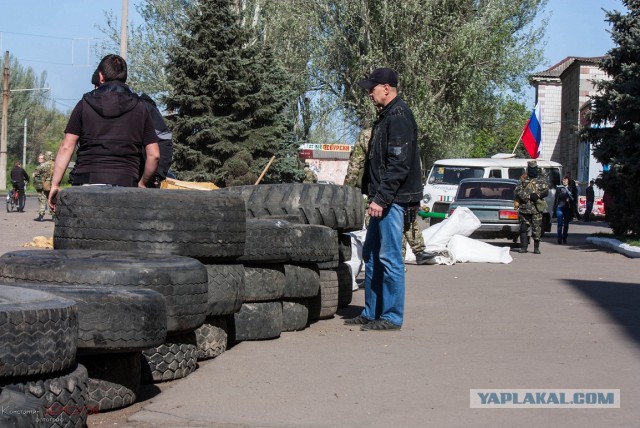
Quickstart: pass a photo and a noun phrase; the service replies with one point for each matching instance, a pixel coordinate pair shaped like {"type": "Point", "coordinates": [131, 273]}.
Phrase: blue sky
{"type": "Point", "coordinates": [57, 36]}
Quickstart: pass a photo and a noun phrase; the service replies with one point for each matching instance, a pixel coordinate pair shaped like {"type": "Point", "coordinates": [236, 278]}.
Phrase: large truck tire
{"type": "Point", "coordinates": [338, 207]}
{"type": "Point", "coordinates": [325, 304]}
{"type": "Point", "coordinates": [113, 319]}
{"type": "Point", "coordinates": [183, 281]}
{"type": "Point", "coordinates": [295, 315]}
{"type": "Point", "coordinates": [114, 379]}
{"type": "Point", "coordinates": [226, 288]}
{"type": "Point", "coordinates": [38, 332]}
{"type": "Point", "coordinates": [301, 281]}
{"type": "Point", "coordinates": [62, 396]}
{"type": "Point", "coordinates": [200, 224]}
{"type": "Point", "coordinates": [264, 283]}
{"type": "Point", "coordinates": [257, 321]}
{"type": "Point", "coordinates": [172, 360]}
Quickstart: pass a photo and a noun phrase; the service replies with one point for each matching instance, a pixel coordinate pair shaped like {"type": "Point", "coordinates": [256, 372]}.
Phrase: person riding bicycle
{"type": "Point", "coordinates": [18, 177]}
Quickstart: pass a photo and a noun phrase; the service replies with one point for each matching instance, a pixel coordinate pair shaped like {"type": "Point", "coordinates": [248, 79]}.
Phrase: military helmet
{"type": "Point", "coordinates": [48, 156]}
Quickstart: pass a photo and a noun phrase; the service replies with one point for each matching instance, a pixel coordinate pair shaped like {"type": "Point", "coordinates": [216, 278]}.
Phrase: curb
{"type": "Point", "coordinates": [615, 245]}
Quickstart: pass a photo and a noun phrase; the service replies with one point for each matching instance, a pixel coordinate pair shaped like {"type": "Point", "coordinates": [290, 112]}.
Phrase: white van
{"type": "Point", "coordinates": [442, 182]}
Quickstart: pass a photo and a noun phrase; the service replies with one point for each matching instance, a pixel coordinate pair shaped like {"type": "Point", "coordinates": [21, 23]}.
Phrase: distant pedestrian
{"type": "Point", "coordinates": [575, 192]}
{"type": "Point", "coordinates": [564, 209]}
{"type": "Point", "coordinates": [530, 193]}
{"type": "Point", "coordinates": [18, 178]}
{"type": "Point", "coordinates": [591, 197]}
{"type": "Point", "coordinates": [309, 175]}
{"type": "Point", "coordinates": [42, 177]}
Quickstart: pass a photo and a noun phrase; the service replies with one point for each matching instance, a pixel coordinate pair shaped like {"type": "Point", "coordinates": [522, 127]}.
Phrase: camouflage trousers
{"type": "Point", "coordinates": [414, 237]}
{"type": "Point", "coordinates": [43, 198]}
{"type": "Point", "coordinates": [533, 222]}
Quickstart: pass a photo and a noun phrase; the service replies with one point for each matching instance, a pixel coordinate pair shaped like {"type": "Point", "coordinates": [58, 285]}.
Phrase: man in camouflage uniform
{"type": "Point", "coordinates": [355, 170]}
{"type": "Point", "coordinates": [533, 187]}
{"type": "Point", "coordinates": [42, 182]}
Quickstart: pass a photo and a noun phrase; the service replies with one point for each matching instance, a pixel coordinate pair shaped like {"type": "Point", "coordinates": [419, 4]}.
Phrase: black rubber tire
{"type": "Point", "coordinates": [258, 321]}
{"type": "Point", "coordinates": [266, 241]}
{"type": "Point", "coordinates": [345, 285]}
{"type": "Point", "coordinates": [114, 379]}
{"type": "Point", "coordinates": [63, 399]}
{"type": "Point", "coordinates": [295, 315]}
{"type": "Point", "coordinates": [113, 319]}
{"type": "Point", "coordinates": [30, 409]}
{"type": "Point", "coordinates": [226, 289]}
{"type": "Point", "coordinates": [38, 332]}
{"type": "Point", "coordinates": [264, 283]}
{"type": "Point", "coordinates": [338, 207]}
{"type": "Point", "coordinates": [277, 241]}
{"type": "Point", "coordinates": [344, 247]}
{"type": "Point", "coordinates": [312, 244]}
{"type": "Point", "coordinates": [301, 281]}
{"type": "Point", "coordinates": [325, 304]}
{"type": "Point", "coordinates": [211, 338]}
{"type": "Point", "coordinates": [200, 224]}
{"type": "Point", "coordinates": [172, 360]}
{"type": "Point", "coordinates": [182, 281]}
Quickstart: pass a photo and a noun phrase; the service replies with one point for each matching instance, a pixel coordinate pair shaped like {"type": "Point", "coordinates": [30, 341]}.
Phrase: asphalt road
{"type": "Point", "coordinates": [566, 319]}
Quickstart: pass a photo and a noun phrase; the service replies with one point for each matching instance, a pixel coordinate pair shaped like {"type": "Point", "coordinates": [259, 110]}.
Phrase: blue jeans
{"type": "Point", "coordinates": [384, 267]}
{"type": "Point", "coordinates": [564, 217]}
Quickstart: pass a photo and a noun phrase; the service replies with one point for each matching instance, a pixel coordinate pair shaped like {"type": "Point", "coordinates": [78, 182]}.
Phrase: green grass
{"type": "Point", "coordinates": [627, 239]}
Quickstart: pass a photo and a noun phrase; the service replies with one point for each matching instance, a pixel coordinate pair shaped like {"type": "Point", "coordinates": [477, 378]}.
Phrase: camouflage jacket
{"type": "Point", "coordinates": [42, 175]}
{"type": "Point", "coordinates": [355, 170]}
{"type": "Point", "coordinates": [527, 186]}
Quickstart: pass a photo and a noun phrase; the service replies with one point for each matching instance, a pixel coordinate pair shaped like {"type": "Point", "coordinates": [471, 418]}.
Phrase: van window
{"type": "Point", "coordinates": [553, 175]}
{"type": "Point", "coordinates": [495, 173]}
{"type": "Point", "coordinates": [516, 173]}
{"type": "Point", "coordinates": [441, 174]}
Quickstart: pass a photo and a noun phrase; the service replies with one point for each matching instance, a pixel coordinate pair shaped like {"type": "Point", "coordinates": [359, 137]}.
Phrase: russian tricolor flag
{"type": "Point", "coordinates": [532, 133]}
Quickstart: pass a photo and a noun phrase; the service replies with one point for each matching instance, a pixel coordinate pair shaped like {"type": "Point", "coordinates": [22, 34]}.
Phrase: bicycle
{"type": "Point", "coordinates": [13, 200]}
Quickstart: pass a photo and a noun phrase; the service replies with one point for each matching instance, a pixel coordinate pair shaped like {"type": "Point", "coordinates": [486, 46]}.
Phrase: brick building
{"type": "Point", "coordinates": [563, 91]}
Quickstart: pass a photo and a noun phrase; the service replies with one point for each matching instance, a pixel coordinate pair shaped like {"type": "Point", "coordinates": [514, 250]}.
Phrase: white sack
{"type": "Point", "coordinates": [463, 250]}
{"type": "Point", "coordinates": [461, 222]}
{"type": "Point", "coordinates": [355, 264]}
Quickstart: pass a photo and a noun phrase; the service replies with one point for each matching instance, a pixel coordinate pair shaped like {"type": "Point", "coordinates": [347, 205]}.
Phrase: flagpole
{"type": "Point", "coordinates": [519, 139]}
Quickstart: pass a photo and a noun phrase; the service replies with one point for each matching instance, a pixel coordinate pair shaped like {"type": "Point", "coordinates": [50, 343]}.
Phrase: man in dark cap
{"type": "Point", "coordinates": [530, 193]}
{"type": "Point", "coordinates": [393, 185]}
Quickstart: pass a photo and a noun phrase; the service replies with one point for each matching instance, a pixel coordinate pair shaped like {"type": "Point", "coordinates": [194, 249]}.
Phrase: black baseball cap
{"type": "Point", "coordinates": [380, 76]}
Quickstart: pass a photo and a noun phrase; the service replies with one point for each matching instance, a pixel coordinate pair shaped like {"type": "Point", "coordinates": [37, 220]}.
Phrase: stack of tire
{"type": "Point", "coordinates": [162, 278]}
{"type": "Point", "coordinates": [317, 208]}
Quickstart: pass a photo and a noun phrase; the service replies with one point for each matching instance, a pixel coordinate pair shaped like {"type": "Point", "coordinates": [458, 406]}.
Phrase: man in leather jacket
{"type": "Point", "coordinates": [392, 181]}
{"type": "Point", "coordinates": [110, 127]}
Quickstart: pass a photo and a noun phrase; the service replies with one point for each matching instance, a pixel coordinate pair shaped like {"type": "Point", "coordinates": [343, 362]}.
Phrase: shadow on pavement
{"type": "Point", "coordinates": [620, 301]}
{"type": "Point", "coordinates": [350, 311]}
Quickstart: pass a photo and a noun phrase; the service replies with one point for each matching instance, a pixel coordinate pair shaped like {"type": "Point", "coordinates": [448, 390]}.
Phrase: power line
{"type": "Point", "coordinates": [51, 37]}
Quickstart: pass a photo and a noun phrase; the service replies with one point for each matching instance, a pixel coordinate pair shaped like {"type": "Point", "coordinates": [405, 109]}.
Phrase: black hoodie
{"type": "Point", "coordinates": [114, 127]}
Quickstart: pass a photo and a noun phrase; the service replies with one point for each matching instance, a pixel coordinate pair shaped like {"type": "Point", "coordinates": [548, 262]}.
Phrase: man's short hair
{"type": "Point", "coordinates": [113, 67]}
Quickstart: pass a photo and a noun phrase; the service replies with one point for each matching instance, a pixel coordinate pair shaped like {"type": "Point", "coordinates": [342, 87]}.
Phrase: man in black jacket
{"type": "Point", "coordinates": [392, 182]}
{"type": "Point", "coordinates": [111, 127]}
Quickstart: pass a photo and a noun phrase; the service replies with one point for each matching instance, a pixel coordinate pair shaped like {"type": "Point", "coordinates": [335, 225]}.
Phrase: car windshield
{"type": "Point", "coordinates": [485, 190]}
{"type": "Point", "coordinates": [441, 174]}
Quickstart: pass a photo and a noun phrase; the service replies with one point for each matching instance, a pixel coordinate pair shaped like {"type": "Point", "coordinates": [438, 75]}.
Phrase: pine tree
{"type": "Point", "coordinates": [615, 121]}
{"type": "Point", "coordinates": [229, 98]}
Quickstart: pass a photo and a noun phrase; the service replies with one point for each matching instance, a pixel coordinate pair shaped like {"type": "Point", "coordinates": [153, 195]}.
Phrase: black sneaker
{"type": "Point", "coordinates": [380, 325]}
{"type": "Point", "coordinates": [359, 320]}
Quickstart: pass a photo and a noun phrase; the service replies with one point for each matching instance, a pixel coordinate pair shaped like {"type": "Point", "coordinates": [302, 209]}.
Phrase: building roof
{"type": "Point", "coordinates": [556, 70]}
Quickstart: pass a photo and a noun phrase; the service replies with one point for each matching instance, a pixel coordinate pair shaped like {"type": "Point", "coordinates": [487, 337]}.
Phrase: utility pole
{"type": "Point", "coordinates": [3, 133]}
{"type": "Point", "coordinates": [123, 29]}
{"type": "Point", "coordinates": [24, 144]}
